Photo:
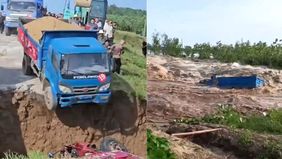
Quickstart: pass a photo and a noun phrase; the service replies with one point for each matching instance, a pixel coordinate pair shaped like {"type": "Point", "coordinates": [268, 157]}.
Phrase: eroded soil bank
{"type": "Point", "coordinates": [26, 124]}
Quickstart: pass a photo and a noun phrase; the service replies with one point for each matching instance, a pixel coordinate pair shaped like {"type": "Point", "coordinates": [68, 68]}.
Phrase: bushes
{"type": "Point", "coordinates": [165, 45]}
{"type": "Point", "coordinates": [158, 148]}
{"type": "Point", "coordinates": [128, 19]}
{"type": "Point", "coordinates": [243, 52]}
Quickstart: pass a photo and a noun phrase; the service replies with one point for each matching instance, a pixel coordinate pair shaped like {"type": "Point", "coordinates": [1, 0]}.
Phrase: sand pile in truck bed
{"type": "Point", "coordinates": [36, 27]}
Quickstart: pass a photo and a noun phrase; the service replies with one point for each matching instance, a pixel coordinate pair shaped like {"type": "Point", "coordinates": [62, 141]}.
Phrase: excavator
{"type": "Point", "coordinates": [89, 9]}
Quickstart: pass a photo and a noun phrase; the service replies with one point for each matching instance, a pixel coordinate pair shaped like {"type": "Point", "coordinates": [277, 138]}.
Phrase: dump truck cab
{"type": "Point", "coordinates": [73, 66]}
{"type": "Point", "coordinates": [21, 8]}
{"type": "Point", "coordinates": [80, 71]}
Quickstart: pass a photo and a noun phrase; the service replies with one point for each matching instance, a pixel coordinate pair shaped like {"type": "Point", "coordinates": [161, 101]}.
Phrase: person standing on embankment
{"type": "Point", "coordinates": [117, 50]}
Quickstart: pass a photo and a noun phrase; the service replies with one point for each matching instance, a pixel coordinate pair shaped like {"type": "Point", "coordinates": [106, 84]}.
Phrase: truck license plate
{"type": "Point", "coordinates": [86, 97]}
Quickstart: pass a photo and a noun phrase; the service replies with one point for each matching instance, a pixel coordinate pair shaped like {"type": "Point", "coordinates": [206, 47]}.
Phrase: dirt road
{"type": "Point", "coordinates": [10, 61]}
{"type": "Point", "coordinates": [26, 125]}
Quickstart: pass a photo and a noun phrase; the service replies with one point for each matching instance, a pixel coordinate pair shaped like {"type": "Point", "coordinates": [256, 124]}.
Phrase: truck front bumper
{"type": "Point", "coordinates": [101, 98]}
{"type": "Point", "coordinates": [11, 24]}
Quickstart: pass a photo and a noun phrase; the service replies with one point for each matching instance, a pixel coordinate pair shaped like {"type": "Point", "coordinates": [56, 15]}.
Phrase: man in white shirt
{"type": "Point", "coordinates": [106, 25]}
{"type": "Point", "coordinates": [109, 32]}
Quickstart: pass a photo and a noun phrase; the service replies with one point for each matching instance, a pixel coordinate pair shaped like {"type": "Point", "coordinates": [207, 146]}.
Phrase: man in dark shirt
{"type": "Point", "coordinates": [144, 48]}
{"type": "Point", "coordinates": [2, 20]}
{"type": "Point", "coordinates": [117, 50]}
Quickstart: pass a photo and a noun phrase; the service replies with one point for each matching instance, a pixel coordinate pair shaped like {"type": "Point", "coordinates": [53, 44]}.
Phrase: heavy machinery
{"type": "Point", "coordinates": [14, 9]}
{"type": "Point", "coordinates": [98, 9]}
{"type": "Point", "coordinates": [73, 66]}
{"type": "Point", "coordinates": [89, 9]}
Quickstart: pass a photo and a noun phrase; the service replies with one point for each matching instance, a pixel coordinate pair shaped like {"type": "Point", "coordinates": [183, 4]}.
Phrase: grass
{"type": "Point", "coordinates": [158, 148]}
{"type": "Point", "coordinates": [31, 155]}
{"type": "Point", "coordinates": [271, 122]}
{"type": "Point", "coordinates": [133, 62]}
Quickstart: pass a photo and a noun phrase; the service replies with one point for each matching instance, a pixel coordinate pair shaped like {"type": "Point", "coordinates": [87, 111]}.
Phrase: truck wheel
{"type": "Point", "coordinates": [50, 102]}
{"type": "Point", "coordinates": [110, 145]}
{"type": "Point", "coordinates": [7, 31]}
{"type": "Point", "coordinates": [26, 67]}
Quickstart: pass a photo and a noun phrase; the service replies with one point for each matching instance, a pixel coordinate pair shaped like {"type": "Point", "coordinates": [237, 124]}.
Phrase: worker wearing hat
{"type": "Point", "coordinates": [101, 36]}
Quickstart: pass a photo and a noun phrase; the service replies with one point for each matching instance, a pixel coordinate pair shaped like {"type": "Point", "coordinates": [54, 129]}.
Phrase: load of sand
{"type": "Point", "coordinates": [36, 27]}
{"type": "Point", "coordinates": [83, 3]}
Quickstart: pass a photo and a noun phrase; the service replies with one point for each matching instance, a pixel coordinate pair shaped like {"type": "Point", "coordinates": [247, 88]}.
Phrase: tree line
{"type": "Point", "coordinates": [259, 53]}
{"type": "Point", "coordinates": [132, 20]}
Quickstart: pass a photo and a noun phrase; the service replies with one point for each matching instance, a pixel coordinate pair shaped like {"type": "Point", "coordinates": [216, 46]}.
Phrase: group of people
{"type": "Point", "coordinates": [58, 16]}
{"type": "Point", "coordinates": [106, 37]}
{"type": "Point", "coordinates": [106, 34]}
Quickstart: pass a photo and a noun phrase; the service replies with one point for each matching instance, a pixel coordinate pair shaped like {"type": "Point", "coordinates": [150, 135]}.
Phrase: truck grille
{"type": "Point", "coordinates": [83, 90]}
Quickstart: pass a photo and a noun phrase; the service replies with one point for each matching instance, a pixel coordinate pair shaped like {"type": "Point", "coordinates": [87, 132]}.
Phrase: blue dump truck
{"type": "Point", "coordinates": [239, 82]}
{"type": "Point", "coordinates": [13, 9]}
{"type": "Point", "coordinates": [73, 66]}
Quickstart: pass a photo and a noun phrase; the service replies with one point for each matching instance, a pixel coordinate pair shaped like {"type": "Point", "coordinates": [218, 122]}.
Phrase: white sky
{"type": "Point", "coordinates": [198, 21]}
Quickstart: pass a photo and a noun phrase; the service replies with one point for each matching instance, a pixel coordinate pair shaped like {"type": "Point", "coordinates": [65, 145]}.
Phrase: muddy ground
{"type": "Point", "coordinates": [26, 124]}
{"type": "Point", "coordinates": [174, 91]}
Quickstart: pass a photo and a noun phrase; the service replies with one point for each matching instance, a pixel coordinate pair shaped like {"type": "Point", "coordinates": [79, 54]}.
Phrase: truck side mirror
{"type": "Point", "coordinates": [2, 7]}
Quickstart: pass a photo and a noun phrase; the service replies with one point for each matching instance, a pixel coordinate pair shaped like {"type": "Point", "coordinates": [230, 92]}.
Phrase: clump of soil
{"type": "Point", "coordinates": [27, 125]}
{"type": "Point", "coordinates": [36, 27]}
{"type": "Point", "coordinates": [160, 72]}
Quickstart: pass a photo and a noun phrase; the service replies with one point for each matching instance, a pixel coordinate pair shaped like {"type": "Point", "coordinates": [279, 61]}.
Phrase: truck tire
{"type": "Point", "coordinates": [50, 102]}
{"type": "Point", "coordinates": [26, 65]}
{"type": "Point", "coordinates": [110, 145]}
{"type": "Point", "coordinates": [7, 31]}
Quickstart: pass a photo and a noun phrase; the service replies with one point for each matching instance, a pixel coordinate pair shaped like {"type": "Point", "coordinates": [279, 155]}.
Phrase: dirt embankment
{"type": "Point", "coordinates": [29, 126]}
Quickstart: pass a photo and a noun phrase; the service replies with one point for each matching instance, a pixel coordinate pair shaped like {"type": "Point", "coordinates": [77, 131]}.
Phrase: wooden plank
{"type": "Point", "coordinates": [195, 132]}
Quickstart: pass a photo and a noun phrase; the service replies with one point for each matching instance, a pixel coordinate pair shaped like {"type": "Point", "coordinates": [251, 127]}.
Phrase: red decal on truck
{"type": "Point", "coordinates": [29, 48]}
{"type": "Point", "coordinates": [102, 78]}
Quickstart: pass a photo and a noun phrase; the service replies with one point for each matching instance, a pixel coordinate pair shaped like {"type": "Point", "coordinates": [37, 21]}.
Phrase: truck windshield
{"type": "Point", "coordinates": [85, 64]}
{"type": "Point", "coordinates": [22, 6]}
{"type": "Point", "coordinates": [98, 9]}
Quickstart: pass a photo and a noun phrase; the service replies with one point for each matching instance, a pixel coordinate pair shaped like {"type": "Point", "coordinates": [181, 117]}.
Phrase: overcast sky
{"type": "Point", "coordinates": [197, 21]}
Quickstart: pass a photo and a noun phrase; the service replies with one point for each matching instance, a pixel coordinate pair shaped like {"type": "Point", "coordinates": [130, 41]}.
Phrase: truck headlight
{"type": "Point", "coordinates": [104, 87]}
{"type": "Point", "coordinates": [9, 19]}
{"type": "Point", "coordinates": [64, 89]}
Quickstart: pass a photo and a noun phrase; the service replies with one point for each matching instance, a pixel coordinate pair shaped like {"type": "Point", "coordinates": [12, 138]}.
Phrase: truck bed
{"type": "Point", "coordinates": [35, 27]}
{"type": "Point", "coordinates": [240, 82]}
